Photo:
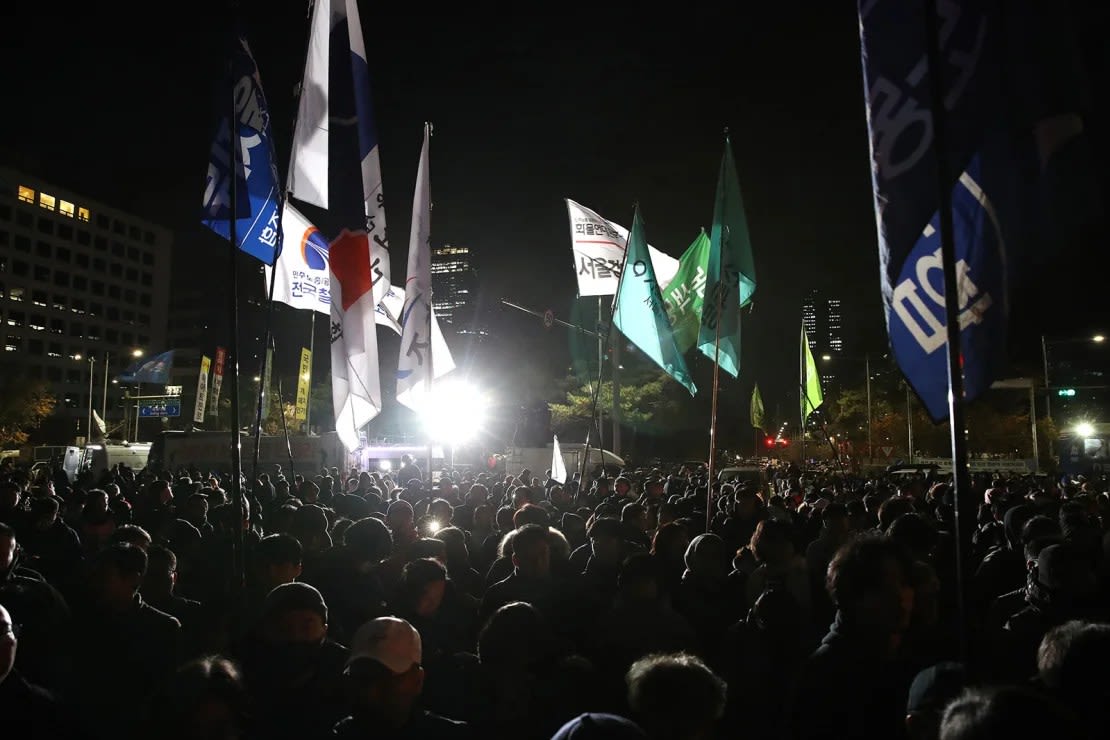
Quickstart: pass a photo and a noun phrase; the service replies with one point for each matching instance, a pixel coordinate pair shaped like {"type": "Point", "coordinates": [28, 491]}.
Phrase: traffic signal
{"type": "Point", "coordinates": [1068, 392]}
{"type": "Point", "coordinates": [770, 442]}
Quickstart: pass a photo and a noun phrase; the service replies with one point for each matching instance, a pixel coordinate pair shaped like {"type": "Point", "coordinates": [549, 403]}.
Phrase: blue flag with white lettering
{"type": "Point", "coordinates": [258, 198]}
{"type": "Point", "coordinates": [156, 370]}
{"type": "Point", "coordinates": [904, 175]}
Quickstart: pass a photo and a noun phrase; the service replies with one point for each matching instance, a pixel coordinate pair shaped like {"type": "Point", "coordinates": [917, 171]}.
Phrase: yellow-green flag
{"type": "Point", "coordinates": [810, 384]}
{"type": "Point", "coordinates": [757, 408]}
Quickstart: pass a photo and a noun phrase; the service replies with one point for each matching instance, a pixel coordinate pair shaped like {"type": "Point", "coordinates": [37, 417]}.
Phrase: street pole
{"type": "Point", "coordinates": [88, 425]}
{"type": "Point", "coordinates": [1047, 395]}
{"type": "Point", "coordinates": [104, 398]}
{"type": "Point", "coordinates": [909, 426]}
{"type": "Point", "coordinates": [1033, 425]}
{"type": "Point", "coordinates": [138, 394]}
{"type": "Point", "coordinates": [867, 369]}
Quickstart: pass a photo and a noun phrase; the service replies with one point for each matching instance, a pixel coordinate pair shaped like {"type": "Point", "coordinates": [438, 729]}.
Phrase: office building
{"type": "Point", "coordinates": [454, 287]}
{"type": "Point", "coordinates": [83, 288]}
{"type": "Point", "coordinates": [823, 321]}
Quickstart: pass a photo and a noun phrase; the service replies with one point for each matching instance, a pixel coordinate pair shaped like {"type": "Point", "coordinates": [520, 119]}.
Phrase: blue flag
{"type": "Point", "coordinates": [638, 310]}
{"type": "Point", "coordinates": [155, 370]}
{"type": "Point", "coordinates": [904, 175]}
{"type": "Point", "coordinates": [257, 209]}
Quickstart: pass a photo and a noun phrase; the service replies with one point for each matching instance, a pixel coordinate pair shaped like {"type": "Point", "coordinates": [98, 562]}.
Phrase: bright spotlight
{"type": "Point", "coordinates": [455, 413]}
{"type": "Point", "coordinates": [1083, 429]}
{"type": "Point", "coordinates": [432, 526]}
{"type": "Point", "coordinates": [1098, 338]}
{"type": "Point", "coordinates": [385, 466]}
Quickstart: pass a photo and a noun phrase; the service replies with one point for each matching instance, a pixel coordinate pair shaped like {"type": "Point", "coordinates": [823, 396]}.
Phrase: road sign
{"type": "Point", "coordinates": [173, 390]}
{"type": "Point", "coordinates": [548, 318]}
{"type": "Point", "coordinates": [160, 408]}
{"type": "Point", "coordinates": [887, 451]}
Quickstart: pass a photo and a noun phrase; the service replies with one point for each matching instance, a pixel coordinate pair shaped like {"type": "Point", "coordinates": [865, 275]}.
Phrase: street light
{"type": "Point", "coordinates": [867, 371]}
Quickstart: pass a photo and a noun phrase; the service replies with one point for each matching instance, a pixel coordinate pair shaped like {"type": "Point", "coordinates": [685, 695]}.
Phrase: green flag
{"type": "Point", "coordinates": [757, 408]}
{"type": "Point", "coordinates": [810, 380]}
{"type": "Point", "coordinates": [730, 279]}
{"type": "Point", "coordinates": [685, 293]}
{"type": "Point", "coordinates": [638, 310]}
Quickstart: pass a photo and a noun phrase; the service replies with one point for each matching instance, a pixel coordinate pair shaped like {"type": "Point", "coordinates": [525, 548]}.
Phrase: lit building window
{"type": "Point", "coordinates": [47, 201]}
{"type": "Point", "coordinates": [82, 214]}
{"type": "Point", "coordinates": [26, 194]}
{"type": "Point", "coordinates": [65, 208]}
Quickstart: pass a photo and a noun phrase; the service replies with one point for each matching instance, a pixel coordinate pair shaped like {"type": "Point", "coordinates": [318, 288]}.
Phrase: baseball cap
{"type": "Point", "coordinates": [390, 641]}
{"type": "Point", "coordinates": [600, 726]}
{"type": "Point", "coordinates": [292, 597]}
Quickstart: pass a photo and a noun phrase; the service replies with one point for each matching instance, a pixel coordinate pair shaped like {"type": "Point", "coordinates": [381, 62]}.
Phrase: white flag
{"type": "Point", "coordinates": [302, 279]}
{"type": "Point", "coordinates": [558, 467]}
{"type": "Point", "coordinates": [308, 170]}
{"type": "Point", "coordinates": [387, 315]}
{"type": "Point", "coordinates": [599, 246]}
{"type": "Point", "coordinates": [355, 386]}
{"type": "Point", "coordinates": [416, 315]}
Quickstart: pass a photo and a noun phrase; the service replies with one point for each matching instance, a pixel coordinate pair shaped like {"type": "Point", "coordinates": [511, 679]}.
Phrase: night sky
{"type": "Point", "coordinates": [529, 107]}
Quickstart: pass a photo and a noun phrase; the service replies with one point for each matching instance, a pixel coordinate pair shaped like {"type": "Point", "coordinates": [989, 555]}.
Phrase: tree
{"type": "Point", "coordinates": [24, 405]}
{"type": "Point", "coordinates": [644, 400]}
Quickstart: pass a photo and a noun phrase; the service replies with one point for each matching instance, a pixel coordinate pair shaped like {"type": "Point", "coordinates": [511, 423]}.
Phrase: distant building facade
{"type": "Point", "coordinates": [823, 320]}
{"type": "Point", "coordinates": [454, 287]}
{"type": "Point", "coordinates": [83, 288]}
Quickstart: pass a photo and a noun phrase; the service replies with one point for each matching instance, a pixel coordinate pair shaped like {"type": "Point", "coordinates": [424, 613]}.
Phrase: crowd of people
{"type": "Point", "coordinates": [348, 604]}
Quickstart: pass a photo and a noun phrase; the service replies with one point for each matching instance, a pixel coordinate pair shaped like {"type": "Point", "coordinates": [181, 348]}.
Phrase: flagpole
{"type": "Point", "coordinates": [716, 384]}
{"type": "Point", "coordinates": [717, 351]}
{"type": "Point", "coordinates": [267, 334]}
{"type": "Point", "coordinates": [238, 560]}
{"type": "Point", "coordinates": [802, 397]}
{"type": "Point", "coordinates": [601, 365]}
{"type": "Point", "coordinates": [961, 489]}
{"type": "Point", "coordinates": [600, 360]}
{"type": "Point", "coordinates": [431, 343]}
{"type": "Point", "coordinates": [284, 425]}
{"type": "Point", "coordinates": [311, 359]}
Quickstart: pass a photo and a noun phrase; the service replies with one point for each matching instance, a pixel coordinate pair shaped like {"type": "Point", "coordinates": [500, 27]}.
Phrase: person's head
{"type": "Point", "coordinates": [675, 696]}
{"type": "Point", "coordinates": [278, 559]}
{"type": "Point", "coordinates": [916, 533]}
{"type": "Point", "coordinates": [9, 495]}
{"type": "Point", "coordinates": [515, 635]}
{"type": "Point", "coordinates": [196, 508]}
{"type": "Point", "coordinates": [205, 699]}
{"type": "Point", "coordinates": [835, 521]}
{"type": "Point", "coordinates": [634, 515]}
{"type": "Point", "coordinates": [771, 542]}
{"type": "Point", "coordinates": [294, 614]}
{"type": "Point", "coordinates": [1007, 712]}
{"type": "Point", "coordinates": [932, 689]}
{"type": "Point", "coordinates": [893, 508]}
{"type": "Point", "coordinates": [532, 551]}
{"type": "Point", "coordinates": [7, 548]}
{"type": "Point", "coordinates": [369, 540]}
{"type": "Point", "coordinates": [639, 580]}
{"type": "Point", "coordinates": [399, 517]}
{"type": "Point", "coordinates": [161, 571]}
{"type": "Point", "coordinates": [599, 726]}
{"type": "Point", "coordinates": [118, 571]}
{"type": "Point", "coordinates": [422, 587]}
{"type": "Point", "coordinates": [132, 534]}
{"type": "Point", "coordinates": [670, 542]}
{"type": "Point", "coordinates": [869, 581]}
{"type": "Point", "coordinates": [9, 641]}
{"type": "Point", "coordinates": [606, 540]}
{"type": "Point", "coordinates": [43, 512]}
{"type": "Point", "coordinates": [384, 672]}
{"type": "Point", "coordinates": [1071, 664]}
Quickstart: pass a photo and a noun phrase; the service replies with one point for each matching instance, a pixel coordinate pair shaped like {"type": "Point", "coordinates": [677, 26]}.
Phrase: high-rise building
{"type": "Point", "coordinates": [83, 290]}
{"type": "Point", "coordinates": [454, 287]}
{"type": "Point", "coordinates": [823, 321]}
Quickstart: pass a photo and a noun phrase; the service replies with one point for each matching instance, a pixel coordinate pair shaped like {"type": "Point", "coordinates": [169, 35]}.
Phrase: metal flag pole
{"type": "Point", "coordinates": [803, 397]}
{"type": "Point", "coordinates": [601, 364]}
{"type": "Point", "coordinates": [104, 398]}
{"type": "Point", "coordinates": [266, 345]}
{"type": "Point", "coordinates": [238, 560]}
{"type": "Point", "coordinates": [601, 341]}
{"type": "Point", "coordinates": [716, 375]}
{"type": "Point", "coordinates": [311, 360]}
{"type": "Point", "coordinates": [957, 422]}
{"type": "Point", "coordinates": [284, 425]}
{"type": "Point", "coordinates": [428, 325]}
